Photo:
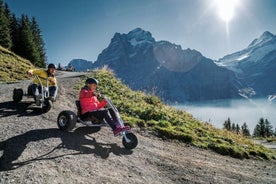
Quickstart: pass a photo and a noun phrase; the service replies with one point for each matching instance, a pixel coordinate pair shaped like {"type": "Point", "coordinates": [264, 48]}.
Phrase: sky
{"type": "Point", "coordinates": [81, 29]}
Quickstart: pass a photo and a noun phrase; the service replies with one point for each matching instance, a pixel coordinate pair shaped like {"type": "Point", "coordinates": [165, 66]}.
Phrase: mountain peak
{"type": "Point", "coordinates": [267, 34]}
{"type": "Point", "coordinates": [139, 35]}
{"type": "Point", "coordinates": [265, 37]}
{"type": "Point", "coordinates": [138, 32]}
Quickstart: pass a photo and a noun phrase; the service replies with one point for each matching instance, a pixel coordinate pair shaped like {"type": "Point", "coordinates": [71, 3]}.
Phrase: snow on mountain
{"type": "Point", "coordinates": [265, 37]}
{"type": "Point", "coordinates": [255, 52]}
{"type": "Point", "coordinates": [173, 73]}
{"type": "Point", "coordinates": [177, 74]}
{"type": "Point", "coordinates": [139, 37]}
{"type": "Point", "coordinates": [255, 65]}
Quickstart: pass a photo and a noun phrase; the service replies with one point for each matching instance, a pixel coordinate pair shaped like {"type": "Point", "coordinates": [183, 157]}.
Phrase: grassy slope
{"type": "Point", "coordinates": [12, 67]}
{"type": "Point", "coordinates": [139, 109]}
{"type": "Point", "coordinates": [150, 113]}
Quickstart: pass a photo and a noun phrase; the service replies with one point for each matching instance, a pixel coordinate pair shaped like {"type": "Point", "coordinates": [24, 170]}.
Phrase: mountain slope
{"type": "Point", "coordinates": [12, 66]}
{"type": "Point", "coordinates": [166, 70]}
{"type": "Point", "coordinates": [81, 65]}
{"type": "Point", "coordinates": [35, 151]}
{"type": "Point", "coordinates": [255, 65]}
{"type": "Point", "coordinates": [150, 113]}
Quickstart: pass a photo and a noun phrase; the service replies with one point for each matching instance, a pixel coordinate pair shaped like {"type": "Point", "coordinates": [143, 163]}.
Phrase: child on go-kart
{"type": "Point", "coordinates": [91, 106]}
{"type": "Point", "coordinates": [44, 74]}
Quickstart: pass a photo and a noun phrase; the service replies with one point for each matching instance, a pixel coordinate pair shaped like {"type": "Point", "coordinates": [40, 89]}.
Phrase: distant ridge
{"type": "Point", "coordinates": [163, 68]}
{"type": "Point", "coordinates": [180, 75]}
{"type": "Point", "coordinates": [255, 65]}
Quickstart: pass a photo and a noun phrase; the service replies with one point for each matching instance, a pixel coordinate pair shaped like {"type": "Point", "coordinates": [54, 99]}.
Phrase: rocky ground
{"type": "Point", "coordinates": [34, 150]}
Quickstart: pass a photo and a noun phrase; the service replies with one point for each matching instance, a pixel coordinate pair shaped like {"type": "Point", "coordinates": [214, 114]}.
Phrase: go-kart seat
{"type": "Point", "coordinates": [86, 118]}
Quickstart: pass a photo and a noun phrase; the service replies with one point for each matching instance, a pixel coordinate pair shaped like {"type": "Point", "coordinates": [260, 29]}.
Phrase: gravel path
{"type": "Point", "coordinates": [33, 150]}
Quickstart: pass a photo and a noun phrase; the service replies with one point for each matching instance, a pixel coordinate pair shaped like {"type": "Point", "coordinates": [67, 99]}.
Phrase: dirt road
{"type": "Point", "coordinates": [33, 150]}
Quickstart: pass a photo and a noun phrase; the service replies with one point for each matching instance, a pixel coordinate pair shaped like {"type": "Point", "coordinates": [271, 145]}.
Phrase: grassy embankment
{"type": "Point", "coordinates": [146, 111]}
{"type": "Point", "coordinates": [12, 67]}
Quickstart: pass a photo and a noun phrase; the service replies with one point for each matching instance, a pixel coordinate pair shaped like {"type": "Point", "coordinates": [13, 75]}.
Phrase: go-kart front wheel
{"type": "Point", "coordinates": [130, 140]}
{"type": "Point", "coordinates": [66, 120]}
{"type": "Point", "coordinates": [46, 106]}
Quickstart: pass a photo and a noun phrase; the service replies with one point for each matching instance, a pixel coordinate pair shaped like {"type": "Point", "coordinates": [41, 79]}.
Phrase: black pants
{"type": "Point", "coordinates": [36, 89]}
{"type": "Point", "coordinates": [104, 114]}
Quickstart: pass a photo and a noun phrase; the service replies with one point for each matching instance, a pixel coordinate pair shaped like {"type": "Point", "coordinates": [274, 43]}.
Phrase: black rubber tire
{"type": "Point", "coordinates": [66, 120]}
{"type": "Point", "coordinates": [133, 141]}
{"type": "Point", "coordinates": [17, 94]}
{"type": "Point", "coordinates": [46, 106]}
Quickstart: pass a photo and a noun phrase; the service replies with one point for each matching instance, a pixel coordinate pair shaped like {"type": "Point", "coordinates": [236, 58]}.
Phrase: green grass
{"type": "Point", "coordinates": [148, 112]}
{"type": "Point", "coordinates": [12, 67]}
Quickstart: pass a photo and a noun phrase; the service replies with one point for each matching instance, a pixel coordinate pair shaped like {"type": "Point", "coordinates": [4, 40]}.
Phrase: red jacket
{"type": "Point", "coordinates": [89, 101]}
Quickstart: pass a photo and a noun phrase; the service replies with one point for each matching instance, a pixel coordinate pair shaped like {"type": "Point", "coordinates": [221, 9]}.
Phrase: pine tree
{"type": "Point", "coordinates": [263, 128]}
{"type": "Point", "coordinates": [14, 27]}
{"type": "Point", "coordinates": [233, 127]}
{"type": "Point", "coordinates": [5, 36]}
{"type": "Point", "coordinates": [39, 43]}
{"type": "Point", "coordinates": [238, 129]}
{"type": "Point", "coordinates": [22, 36]}
{"type": "Point", "coordinates": [245, 131]}
{"type": "Point", "coordinates": [26, 45]}
{"type": "Point", "coordinates": [227, 124]}
{"type": "Point", "coordinates": [268, 129]}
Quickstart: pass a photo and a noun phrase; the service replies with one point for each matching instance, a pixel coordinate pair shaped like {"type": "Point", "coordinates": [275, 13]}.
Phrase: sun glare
{"type": "Point", "coordinates": [226, 9]}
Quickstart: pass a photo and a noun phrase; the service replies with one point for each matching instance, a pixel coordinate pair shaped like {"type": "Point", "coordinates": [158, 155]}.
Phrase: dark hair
{"type": "Point", "coordinates": [91, 81]}
{"type": "Point", "coordinates": [51, 65]}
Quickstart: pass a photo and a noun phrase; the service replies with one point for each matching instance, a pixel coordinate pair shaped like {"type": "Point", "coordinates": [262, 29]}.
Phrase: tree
{"type": "Point", "coordinates": [22, 36]}
{"type": "Point", "coordinates": [26, 45]}
{"type": "Point", "coordinates": [5, 36]}
{"type": "Point", "coordinates": [268, 129]}
{"type": "Point", "coordinates": [238, 129]}
{"type": "Point", "coordinates": [263, 128]}
{"type": "Point", "coordinates": [39, 43]}
{"type": "Point", "coordinates": [233, 127]}
{"type": "Point", "coordinates": [244, 130]}
{"type": "Point", "coordinates": [14, 27]}
{"type": "Point", "coordinates": [259, 130]}
{"type": "Point", "coordinates": [227, 124]}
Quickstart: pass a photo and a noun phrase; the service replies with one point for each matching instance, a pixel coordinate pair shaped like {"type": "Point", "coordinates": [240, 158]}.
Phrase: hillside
{"type": "Point", "coordinates": [33, 150]}
{"type": "Point", "coordinates": [173, 146]}
{"type": "Point", "coordinates": [13, 67]}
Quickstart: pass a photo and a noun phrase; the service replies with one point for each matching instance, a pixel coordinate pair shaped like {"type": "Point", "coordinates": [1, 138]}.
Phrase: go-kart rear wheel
{"type": "Point", "coordinates": [46, 106]}
{"type": "Point", "coordinates": [66, 120]}
{"type": "Point", "coordinates": [17, 94]}
{"type": "Point", "coordinates": [130, 140]}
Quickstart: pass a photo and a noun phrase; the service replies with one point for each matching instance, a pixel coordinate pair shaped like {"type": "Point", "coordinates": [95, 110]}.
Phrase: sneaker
{"type": "Point", "coordinates": [52, 99]}
{"type": "Point", "coordinates": [120, 129]}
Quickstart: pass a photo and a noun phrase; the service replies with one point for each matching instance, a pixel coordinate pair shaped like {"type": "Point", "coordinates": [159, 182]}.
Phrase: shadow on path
{"type": "Point", "coordinates": [12, 148]}
{"type": "Point", "coordinates": [19, 109]}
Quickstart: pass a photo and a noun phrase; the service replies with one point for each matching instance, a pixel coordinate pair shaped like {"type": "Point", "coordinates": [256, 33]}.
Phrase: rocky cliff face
{"type": "Point", "coordinates": [166, 70]}
{"type": "Point", "coordinates": [81, 65]}
{"type": "Point", "coordinates": [256, 64]}
{"type": "Point", "coordinates": [177, 74]}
